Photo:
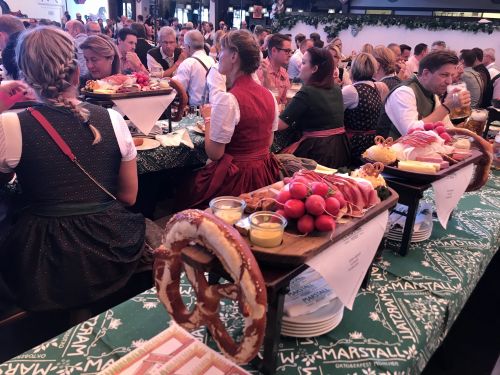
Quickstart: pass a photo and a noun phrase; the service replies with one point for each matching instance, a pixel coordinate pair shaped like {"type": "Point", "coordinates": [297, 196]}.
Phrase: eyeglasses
{"type": "Point", "coordinates": [286, 50]}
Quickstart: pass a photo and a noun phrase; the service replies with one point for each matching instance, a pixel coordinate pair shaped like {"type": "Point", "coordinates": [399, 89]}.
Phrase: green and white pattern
{"type": "Point", "coordinates": [394, 327]}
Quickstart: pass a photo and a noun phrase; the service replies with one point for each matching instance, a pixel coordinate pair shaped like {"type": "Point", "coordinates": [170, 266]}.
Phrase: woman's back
{"type": "Point", "coordinates": [314, 108]}
{"type": "Point", "coordinates": [48, 176]}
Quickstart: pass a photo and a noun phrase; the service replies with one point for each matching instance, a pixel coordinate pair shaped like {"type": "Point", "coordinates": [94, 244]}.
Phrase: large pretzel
{"type": "Point", "coordinates": [483, 165]}
{"type": "Point", "coordinates": [238, 261]}
{"type": "Point", "coordinates": [183, 99]}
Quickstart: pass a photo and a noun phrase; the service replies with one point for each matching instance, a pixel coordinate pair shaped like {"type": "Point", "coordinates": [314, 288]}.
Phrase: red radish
{"type": "Point", "coordinates": [282, 213]}
{"type": "Point", "coordinates": [283, 196]}
{"type": "Point", "coordinates": [332, 205]}
{"type": "Point", "coordinates": [305, 224]}
{"type": "Point", "coordinates": [294, 208]}
{"type": "Point", "coordinates": [445, 136]}
{"type": "Point", "coordinates": [324, 223]}
{"type": "Point", "coordinates": [298, 190]}
{"type": "Point", "coordinates": [340, 197]}
{"type": "Point", "coordinates": [429, 126]}
{"type": "Point", "coordinates": [315, 205]}
{"type": "Point", "coordinates": [440, 129]}
{"type": "Point", "coordinates": [320, 188]}
{"type": "Point", "coordinates": [300, 179]}
{"type": "Point", "coordinates": [438, 123]}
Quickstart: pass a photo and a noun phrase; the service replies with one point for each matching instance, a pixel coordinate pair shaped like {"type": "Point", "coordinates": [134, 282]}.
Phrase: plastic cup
{"type": "Point", "coordinates": [266, 228]}
{"type": "Point", "coordinates": [229, 209]}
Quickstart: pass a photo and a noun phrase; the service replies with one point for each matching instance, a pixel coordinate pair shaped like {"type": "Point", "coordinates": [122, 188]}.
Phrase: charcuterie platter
{"type": "Point", "coordinates": [120, 86]}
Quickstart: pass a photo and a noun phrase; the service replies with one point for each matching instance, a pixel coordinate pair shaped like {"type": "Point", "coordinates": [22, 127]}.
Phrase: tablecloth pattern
{"type": "Point", "coordinates": [394, 328]}
{"type": "Point", "coordinates": [162, 158]}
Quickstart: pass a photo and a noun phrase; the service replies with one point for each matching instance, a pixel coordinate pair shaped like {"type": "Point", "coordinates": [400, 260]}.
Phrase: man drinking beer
{"type": "Point", "coordinates": [415, 102]}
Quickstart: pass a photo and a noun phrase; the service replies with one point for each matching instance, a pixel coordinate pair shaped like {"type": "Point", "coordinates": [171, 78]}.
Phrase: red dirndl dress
{"type": "Point", "coordinates": [247, 163]}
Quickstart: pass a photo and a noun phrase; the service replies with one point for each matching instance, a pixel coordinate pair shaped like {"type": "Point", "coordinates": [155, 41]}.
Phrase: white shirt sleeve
{"type": "Point", "coordinates": [183, 73]}
{"type": "Point", "coordinates": [276, 115]}
{"type": "Point", "coordinates": [123, 136]}
{"type": "Point", "coordinates": [216, 82]}
{"type": "Point", "coordinates": [401, 107]}
{"type": "Point", "coordinates": [152, 63]}
{"type": "Point", "coordinates": [224, 117]}
{"type": "Point", "coordinates": [11, 142]}
{"type": "Point", "coordinates": [350, 96]}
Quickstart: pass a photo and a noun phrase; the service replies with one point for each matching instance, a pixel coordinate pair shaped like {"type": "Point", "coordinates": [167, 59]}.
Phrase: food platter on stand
{"type": "Point", "coordinates": [126, 95]}
{"type": "Point", "coordinates": [393, 170]}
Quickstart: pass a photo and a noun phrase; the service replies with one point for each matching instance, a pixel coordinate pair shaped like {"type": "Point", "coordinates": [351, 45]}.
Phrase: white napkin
{"type": "Point", "coordinates": [449, 190]}
{"type": "Point", "coordinates": [308, 292]}
{"type": "Point", "coordinates": [175, 139]}
{"type": "Point", "coordinates": [344, 264]}
{"type": "Point", "coordinates": [143, 112]}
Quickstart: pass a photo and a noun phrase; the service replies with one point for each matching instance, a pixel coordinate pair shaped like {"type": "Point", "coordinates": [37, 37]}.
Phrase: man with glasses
{"type": "Point", "coordinates": [272, 71]}
{"type": "Point", "coordinates": [168, 56]}
{"type": "Point", "coordinates": [192, 72]}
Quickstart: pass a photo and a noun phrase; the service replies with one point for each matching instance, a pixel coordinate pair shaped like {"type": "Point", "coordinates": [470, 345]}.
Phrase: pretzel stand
{"type": "Point", "coordinates": [196, 242]}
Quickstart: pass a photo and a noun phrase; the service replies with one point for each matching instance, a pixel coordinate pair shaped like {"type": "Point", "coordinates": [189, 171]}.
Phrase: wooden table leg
{"type": "Point", "coordinates": [267, 365]}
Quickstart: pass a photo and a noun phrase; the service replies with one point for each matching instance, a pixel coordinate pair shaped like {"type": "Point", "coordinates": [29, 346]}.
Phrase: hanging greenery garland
{"type": "Point", "coordinates": [335, 23]}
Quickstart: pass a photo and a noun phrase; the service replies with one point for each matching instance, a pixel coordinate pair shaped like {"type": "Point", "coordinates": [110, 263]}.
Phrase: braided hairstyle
{"type": "Point", "coordinates": [46, 59]}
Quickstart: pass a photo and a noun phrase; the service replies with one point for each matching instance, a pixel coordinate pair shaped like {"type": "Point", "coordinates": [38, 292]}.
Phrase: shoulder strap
{"type": "Point", "coordinates": [201, 62]}
{"type": "Point", "coordinates": [63, 146]}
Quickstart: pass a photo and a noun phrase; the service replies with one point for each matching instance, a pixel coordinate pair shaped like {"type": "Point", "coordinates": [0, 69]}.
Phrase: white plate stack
{"type": "Point", "coordinates": [422, 228]}
{"type": "Point", "coordinates": [311, 307]}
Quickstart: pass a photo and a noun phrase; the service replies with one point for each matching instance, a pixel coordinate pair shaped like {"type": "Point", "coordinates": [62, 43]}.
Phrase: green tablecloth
{"type": "Point", "coordinates": [394, 327]}
{"type": "Point", "coordinates": [162, 158]}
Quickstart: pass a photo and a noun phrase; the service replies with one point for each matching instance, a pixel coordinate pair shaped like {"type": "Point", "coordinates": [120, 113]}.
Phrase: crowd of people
{"type": "Point", "coordinates": [242, 81]}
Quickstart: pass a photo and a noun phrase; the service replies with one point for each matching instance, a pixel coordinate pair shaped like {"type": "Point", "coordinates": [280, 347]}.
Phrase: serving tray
{"type": "Point", "coordinates": [427, 178]}
{"type": "Point", "coordinates": [296, 250]}
{"type": "Point", "coordinates": [126, 95]}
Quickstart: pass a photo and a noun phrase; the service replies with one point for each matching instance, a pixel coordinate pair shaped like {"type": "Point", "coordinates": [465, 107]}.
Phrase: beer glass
{"type": "Point", "coordinates": [156, 72]}
{"type": "Point", "coordinates": [458, 113]}
{"type": "Point", "coordinates": [477, 121]}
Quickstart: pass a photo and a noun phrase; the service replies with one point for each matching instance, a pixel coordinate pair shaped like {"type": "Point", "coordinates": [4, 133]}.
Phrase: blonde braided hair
{"type": "Point", "coordinates": [46, 60]}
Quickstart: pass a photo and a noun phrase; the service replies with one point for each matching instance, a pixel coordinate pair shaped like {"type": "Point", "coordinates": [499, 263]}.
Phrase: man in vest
{"type": "Point", "coordinates": [192, 72]}
{"type": "Point", "coordinates": [168, 56]}
{"type": "Point", "coordinates": [415, 102]}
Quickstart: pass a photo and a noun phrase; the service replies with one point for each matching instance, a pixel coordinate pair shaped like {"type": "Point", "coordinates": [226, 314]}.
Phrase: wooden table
{"type": "Point", "coordinates": [411, 190]}
{"type": "Point", "coordinates": [279, 265]}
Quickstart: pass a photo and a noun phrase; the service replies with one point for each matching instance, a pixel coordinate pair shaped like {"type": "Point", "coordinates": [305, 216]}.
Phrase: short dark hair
{"type": "Point", "coordinates": [419, 48]}
{"type": "Point", "coordinates": [139, 29]}
{"type": "Point", "coordinates": [123, 33]}
{"type": "Point", "coordinates": [468, 56]}
{"type": "Point", "coordinates": [9, 56]}
{"type": "Point", "coordinates": [299, 38]}
{"type": "Point", "coordinates": [276, 41]}
{"type": "Point", "coordinates": [323, 77]}
{"type": "Point", "coordinates": [479, 53]}
{"type": "Point", "coordinates": [315, 36]}
{"type": "Point", "coordinates": [435, 60]}
{"type": "Point", "coordinates": [404, 47]}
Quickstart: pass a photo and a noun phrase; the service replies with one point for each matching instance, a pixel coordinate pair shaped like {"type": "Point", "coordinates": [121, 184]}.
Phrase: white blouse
{"type": "Point", "coordinates": [11, 142]}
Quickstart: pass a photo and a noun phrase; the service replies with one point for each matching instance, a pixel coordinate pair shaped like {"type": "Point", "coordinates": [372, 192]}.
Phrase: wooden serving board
{"type": "Point", "coordinates": [427, 178]}
{"type": "Point", "coordinates": [127, 95]}
{"type": "Point", "coordinates": [296, 250]}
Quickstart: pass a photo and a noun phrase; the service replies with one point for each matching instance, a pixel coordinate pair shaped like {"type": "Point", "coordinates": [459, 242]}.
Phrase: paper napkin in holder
{"type": "Point", "coordinates": [175, 139]}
